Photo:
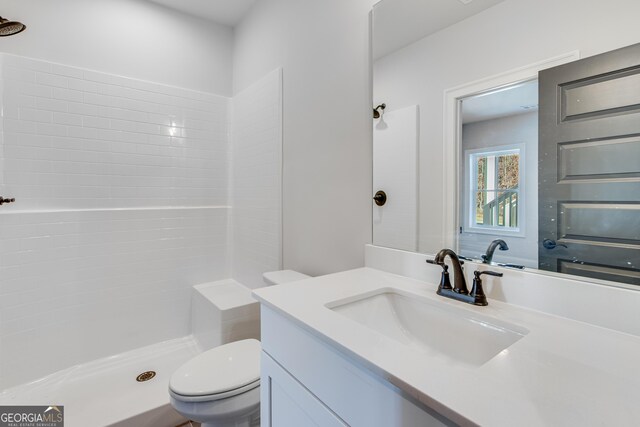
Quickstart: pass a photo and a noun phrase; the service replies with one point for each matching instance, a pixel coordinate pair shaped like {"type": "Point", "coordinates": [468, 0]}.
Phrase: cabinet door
{"type": "Point", "coordinates": [286, 403]}
{"type": "Point", "coordinates": [354, 394]}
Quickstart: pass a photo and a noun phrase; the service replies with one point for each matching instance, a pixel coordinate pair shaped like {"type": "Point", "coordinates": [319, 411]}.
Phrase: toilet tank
{"type": "Point", "coordinates": [223, 312]}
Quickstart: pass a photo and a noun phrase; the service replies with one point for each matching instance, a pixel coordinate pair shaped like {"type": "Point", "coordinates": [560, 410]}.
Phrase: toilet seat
{"type": "Point", "coordinates": [217, 396]}
{"type": "Point", "coordinates": [225, 371]}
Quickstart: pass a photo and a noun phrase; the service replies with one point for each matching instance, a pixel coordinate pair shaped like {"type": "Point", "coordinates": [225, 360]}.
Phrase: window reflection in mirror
{"type": "Point", "coordinates": [498, 135]}
{"type": "Point", "coordinates": [494, 189]}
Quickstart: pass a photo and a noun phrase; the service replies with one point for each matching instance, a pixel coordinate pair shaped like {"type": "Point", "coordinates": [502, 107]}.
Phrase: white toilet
{"type": "Point", "coordinates": [221, 386]}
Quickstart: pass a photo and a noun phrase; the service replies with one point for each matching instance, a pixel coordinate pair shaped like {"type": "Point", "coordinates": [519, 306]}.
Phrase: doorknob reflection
{"type": "Point", "coordinates": [551, 244]}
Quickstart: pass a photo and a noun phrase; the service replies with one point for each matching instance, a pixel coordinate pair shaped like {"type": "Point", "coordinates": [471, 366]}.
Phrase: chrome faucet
{"type": "Point", "coordinates": [498, 243]}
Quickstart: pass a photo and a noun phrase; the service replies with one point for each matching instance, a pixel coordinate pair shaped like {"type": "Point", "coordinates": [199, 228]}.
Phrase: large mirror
{"type": "Point", "coordinates": [509, 131]}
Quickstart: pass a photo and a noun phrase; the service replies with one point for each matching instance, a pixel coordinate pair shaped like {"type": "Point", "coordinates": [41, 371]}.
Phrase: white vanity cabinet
{"type": "Point", "coordinates": [306, 381]}
{"type": "Point", "coordinates": [287, 403]}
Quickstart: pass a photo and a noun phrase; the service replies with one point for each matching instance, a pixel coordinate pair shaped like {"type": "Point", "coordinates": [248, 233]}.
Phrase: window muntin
{"type": "Point", "coordinates": [495, 190]}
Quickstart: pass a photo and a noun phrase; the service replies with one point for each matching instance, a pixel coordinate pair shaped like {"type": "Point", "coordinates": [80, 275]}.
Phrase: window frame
{"type": "Point", "coordinates": [468, 224]}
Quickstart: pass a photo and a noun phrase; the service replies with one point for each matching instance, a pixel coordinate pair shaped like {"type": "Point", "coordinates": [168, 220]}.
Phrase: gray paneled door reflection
{"type": "Point", "coordinates": [589, 158]}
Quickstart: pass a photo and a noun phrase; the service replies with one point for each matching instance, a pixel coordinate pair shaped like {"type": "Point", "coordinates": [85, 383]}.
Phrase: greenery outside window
{"type": "Point", "coordinates": [495, 190]}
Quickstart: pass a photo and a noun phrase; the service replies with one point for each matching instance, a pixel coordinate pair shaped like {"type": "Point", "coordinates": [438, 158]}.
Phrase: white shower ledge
{"type": "Point", "coordinates": [562, 372]}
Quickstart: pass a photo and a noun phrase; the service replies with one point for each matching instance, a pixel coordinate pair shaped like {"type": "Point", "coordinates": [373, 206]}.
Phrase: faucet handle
{"type": "Point", "coordinates": [479, 298]}
{"type": "Point", "coordinates": [445, 282]}
{"type": "Point", "coordinates": [4, 200]}
{"type": "Point", "coordinates": [479, 273]}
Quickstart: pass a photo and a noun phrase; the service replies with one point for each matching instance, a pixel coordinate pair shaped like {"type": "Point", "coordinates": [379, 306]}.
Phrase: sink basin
{"type": "Point", "coordinates": [431, 326]}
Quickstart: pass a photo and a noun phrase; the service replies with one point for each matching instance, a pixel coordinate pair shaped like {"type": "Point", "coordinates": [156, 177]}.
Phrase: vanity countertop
{"type": "Point", "coordinates": [562, 372]}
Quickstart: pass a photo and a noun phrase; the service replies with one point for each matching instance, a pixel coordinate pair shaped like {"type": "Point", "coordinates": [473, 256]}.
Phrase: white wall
{"type": "Point", "coordinates": [323, 48]}
{"type": "Point", "coordinates": [513, 34]}
{"type": "Point", "coordinates": [121, 191]}
{"type": "Point", "coordinates": [256, 180]}
{"type": "Point", "coordinates": [133, 38]}
{"type": "Point", "coordinates": [517, 129]}
{"type": "Point", "coordinates": [395, 171]}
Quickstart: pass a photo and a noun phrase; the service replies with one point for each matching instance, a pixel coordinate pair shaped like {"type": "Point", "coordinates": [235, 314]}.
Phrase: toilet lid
{"type": "Point", "coordinates": [225, 368]}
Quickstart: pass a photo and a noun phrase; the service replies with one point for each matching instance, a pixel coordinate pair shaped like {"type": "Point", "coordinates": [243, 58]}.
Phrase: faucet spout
{"type": "Point", "coordinates": [459, 282]}
{"type": "Point", "coordinates": [497, 243]}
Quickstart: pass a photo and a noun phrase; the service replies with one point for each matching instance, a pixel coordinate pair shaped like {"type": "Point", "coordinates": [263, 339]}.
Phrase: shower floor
{"type": "Point", "coordinates": [105, 392]}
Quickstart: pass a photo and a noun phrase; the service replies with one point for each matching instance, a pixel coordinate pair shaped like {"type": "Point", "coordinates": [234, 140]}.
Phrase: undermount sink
{"type": "Point", "coordinates": [431, 326]}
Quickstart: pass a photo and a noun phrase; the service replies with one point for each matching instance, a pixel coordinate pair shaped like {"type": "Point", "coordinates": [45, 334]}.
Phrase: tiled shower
{"type": "Point", "coordinates": [127, 194]}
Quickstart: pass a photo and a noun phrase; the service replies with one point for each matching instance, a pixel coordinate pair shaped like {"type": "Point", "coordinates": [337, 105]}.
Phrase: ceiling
{"type": "Point", "coordinates": [225, 12]}
{"type": "Point", "coordinates": [398, 23]}
{"type": "Point", "coordinates": [517, 99]}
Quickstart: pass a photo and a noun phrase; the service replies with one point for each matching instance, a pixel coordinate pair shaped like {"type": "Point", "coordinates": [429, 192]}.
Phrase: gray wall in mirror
{"type": "Point", "coordinates": [506, 36]}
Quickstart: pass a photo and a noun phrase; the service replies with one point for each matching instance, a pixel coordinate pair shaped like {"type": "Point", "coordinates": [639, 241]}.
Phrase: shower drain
{"type": "Point", "coordinates": [145, 376]}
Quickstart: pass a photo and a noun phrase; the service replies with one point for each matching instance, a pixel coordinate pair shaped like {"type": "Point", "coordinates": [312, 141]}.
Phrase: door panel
{"type": "Point", "coordinates": [598, 96]}
{"type": "Point", "coordinates": [613, 220]}
{"type": "Point", "coordinates": [599, 160]}
{"type": "Point", "coordinates": [589, 159]}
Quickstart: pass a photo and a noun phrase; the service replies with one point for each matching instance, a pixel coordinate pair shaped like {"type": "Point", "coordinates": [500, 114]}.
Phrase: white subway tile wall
{"type": "Point", "coordinates": [78, 139]}
{"type": "Point", "coordinates": [121, 191]}
{"type": "Point", "coordinates": [79, 285]}
{"type": "Point", "coordinates": [257, 180]}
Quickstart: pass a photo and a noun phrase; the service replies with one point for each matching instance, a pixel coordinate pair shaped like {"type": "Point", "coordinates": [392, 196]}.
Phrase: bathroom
{"type": "Point", "coordinates": [153, 146]}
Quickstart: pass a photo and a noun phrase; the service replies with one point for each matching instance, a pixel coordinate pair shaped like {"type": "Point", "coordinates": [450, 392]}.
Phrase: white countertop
{"type": "Point", "coordinates": [562, 373]}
